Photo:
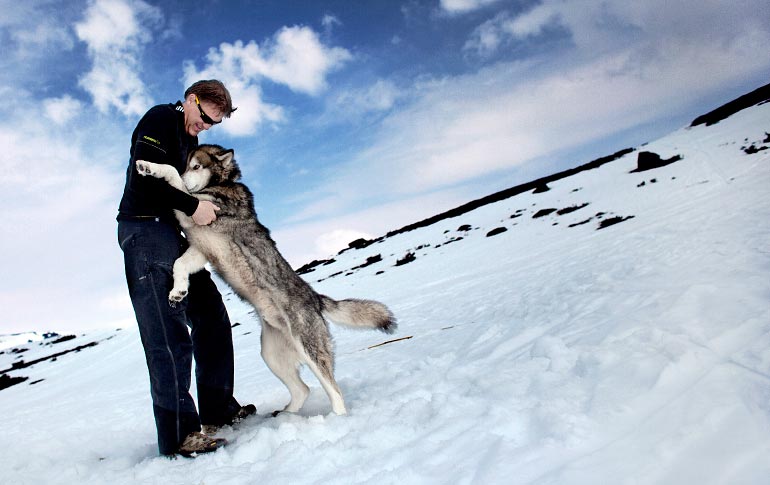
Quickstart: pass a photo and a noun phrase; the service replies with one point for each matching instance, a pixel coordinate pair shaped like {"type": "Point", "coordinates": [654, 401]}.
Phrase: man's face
{"type": "Point", "coordinates": [193, 121]}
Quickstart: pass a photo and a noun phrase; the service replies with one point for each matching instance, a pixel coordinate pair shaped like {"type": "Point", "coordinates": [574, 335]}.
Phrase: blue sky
{"type": "Point", "coordinates": [355, 117]}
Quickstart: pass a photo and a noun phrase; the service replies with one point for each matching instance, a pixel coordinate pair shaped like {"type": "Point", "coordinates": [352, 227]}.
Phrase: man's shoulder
{"type": "Point", "coordinates": [159, 121]}
{"type": "Point", "coordinates": [163, 112]}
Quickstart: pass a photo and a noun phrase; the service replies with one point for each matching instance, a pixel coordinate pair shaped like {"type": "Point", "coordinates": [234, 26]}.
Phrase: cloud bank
{"type": "Point", "coordinates": [464, 6]}
{"type": "Point", "coordinates": [116, 32]}
{"type": "Point", "coordinates": [294, 57]}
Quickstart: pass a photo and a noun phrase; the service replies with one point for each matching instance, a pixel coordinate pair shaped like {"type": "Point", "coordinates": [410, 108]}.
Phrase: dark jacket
{"type": "Point", "coordinates": [159, 137]}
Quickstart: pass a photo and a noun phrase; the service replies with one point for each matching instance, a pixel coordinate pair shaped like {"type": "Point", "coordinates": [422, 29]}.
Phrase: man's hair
{"type": "Point", "coordinates": [213, 91]}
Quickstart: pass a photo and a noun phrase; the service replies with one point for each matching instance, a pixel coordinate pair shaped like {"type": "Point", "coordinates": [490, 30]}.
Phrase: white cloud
{"type": "Point", "coordinates": [116, 32]}
{"type": "Point", "coordinates": [329, 22]}
{"type": "Point", "coordinates": [42, 38]}
{"type": "Point", "coordinates": [62, 110]}
{"type": "Point", "coordinates": [294, 57]}
{"type": "Point", "coordinates": [378, 97]}
{"type": "Point", "coordinates": [35, 37]}
{"type": "Point", "coordinates": [486, 38]}
{"type": "Point", "coordinates": [599, 27]}
{"type": "Point", "coordinates": [503, 28]}
{"type": "Point", "coordinates": [297, 58]}
{"type": "Point", "coordinates": [463, 6]}
{"type": "Point", "coordinates": [517, 120]}
{"type": "Point", "coordinates": [57, 240]}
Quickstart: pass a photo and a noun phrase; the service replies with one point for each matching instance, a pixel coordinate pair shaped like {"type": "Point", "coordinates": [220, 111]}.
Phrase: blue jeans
{"type": "Point", "coordinates": [198, 328]}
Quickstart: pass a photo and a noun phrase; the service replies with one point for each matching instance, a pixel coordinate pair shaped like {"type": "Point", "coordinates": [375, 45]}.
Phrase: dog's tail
{"type": "Point", "coordinates": [359, 314]}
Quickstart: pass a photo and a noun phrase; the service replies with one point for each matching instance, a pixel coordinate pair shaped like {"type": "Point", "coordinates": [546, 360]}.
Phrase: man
{"type": "Point", "coordinates": [151, 241]}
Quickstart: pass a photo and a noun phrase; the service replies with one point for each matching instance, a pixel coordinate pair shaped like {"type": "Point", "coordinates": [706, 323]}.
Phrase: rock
{"type": "Point", "coordinates": [650, 160]}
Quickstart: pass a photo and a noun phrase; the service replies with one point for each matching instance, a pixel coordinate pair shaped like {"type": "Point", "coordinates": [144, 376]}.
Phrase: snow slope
{"type": "Point", "coordinates": [546, 354]}
{"type": "Point", "coordinates": [18, 339]}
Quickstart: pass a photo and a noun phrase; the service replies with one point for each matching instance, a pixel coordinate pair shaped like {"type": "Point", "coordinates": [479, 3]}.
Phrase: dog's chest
{"type": "Point", "coordinates": [207, 241]}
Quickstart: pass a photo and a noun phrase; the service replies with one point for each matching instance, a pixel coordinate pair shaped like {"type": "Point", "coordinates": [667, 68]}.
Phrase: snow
{"type": "Point", "coordinates": [547, 354]}
{"type": "Point", "coordinates": [18, 339]}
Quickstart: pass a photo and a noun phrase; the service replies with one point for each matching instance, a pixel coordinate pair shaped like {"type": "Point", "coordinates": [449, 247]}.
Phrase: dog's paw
{"type": "Point", "coordinates": [144, 167]}
{"type": "Point", "coordinates": [176, 296]}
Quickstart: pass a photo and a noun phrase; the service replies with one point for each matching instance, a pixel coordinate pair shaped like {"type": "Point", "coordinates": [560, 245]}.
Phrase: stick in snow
{"type": "Point", "coordinates": [390, 341]}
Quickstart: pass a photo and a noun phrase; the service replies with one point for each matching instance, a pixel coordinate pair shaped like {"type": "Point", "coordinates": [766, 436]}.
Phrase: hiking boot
{"type": "Point", "coordinates": [196, 443]}
{"type": "Point", "coordinates": [242, 413]}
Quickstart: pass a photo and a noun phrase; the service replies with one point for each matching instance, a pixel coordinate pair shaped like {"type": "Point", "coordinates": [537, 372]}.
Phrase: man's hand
{"type": "Point", "coordinates": [205, 214]}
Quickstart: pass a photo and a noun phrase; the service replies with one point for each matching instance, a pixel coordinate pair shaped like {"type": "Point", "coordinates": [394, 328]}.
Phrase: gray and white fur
{"type": "Point", "coordinates": [239, 247]}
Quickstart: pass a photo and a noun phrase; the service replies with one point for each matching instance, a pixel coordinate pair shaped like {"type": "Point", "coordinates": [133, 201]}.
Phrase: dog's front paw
{"type": "Point", "coordinates": [145, 167]}
{"type": "Point", "coordinates": [176, 296]}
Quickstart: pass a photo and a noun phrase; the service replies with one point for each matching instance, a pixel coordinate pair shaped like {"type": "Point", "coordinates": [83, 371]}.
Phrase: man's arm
{"type": "Point", "coordinates": [205, 211]}
{"type": "Point", "coordinates": [156, 140]}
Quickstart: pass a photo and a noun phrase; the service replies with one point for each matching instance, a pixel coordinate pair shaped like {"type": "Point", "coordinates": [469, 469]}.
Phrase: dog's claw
{"type": "Point", "coordinates": [143, 168]}
{"type": "Point", "coordinates": [176, 296]}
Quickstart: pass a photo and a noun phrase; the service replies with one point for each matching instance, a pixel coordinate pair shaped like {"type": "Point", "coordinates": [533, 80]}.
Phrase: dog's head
{"type": "Point", "coordinates": [210, 165]}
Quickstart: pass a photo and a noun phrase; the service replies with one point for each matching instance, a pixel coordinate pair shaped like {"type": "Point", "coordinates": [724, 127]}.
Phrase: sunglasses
{"type": "Point", "coordinates": [206, 118]}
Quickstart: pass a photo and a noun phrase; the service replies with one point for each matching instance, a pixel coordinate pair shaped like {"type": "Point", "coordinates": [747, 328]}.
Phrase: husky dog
{"type": "Point", "coordinates": [240, 248]}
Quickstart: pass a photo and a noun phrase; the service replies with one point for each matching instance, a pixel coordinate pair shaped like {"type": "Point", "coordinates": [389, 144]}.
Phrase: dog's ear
{"type": "Point", "coordinates": [226, 157]}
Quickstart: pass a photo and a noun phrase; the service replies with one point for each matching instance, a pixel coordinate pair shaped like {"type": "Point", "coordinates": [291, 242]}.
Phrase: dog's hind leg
{"type": "Point", "coordinates": [320, 360]}
{"type": "Point", "coordinates": [188, 263]}
{"type": "Point", "coordinates": [323, 372]}
{"type": "Point", "coordinates": [281, 357]}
